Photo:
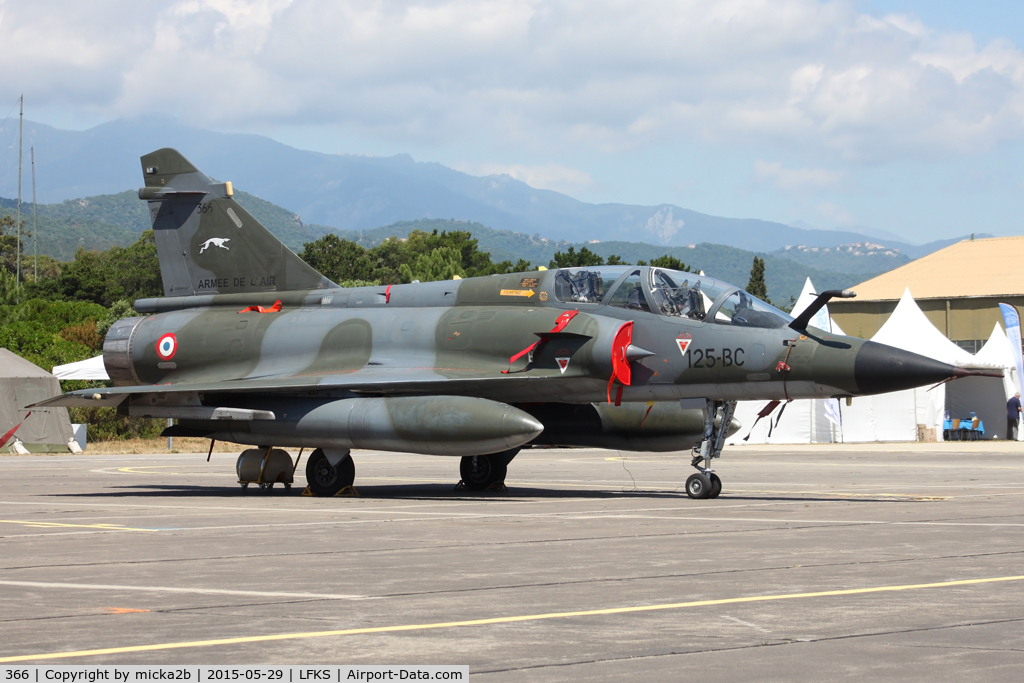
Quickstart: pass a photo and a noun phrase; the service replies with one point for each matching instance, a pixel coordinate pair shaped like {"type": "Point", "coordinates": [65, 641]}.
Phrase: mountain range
{"type": "Point", "coordinates": [356, 193]}
{"type": "Point", "coordinates": [102, 221]}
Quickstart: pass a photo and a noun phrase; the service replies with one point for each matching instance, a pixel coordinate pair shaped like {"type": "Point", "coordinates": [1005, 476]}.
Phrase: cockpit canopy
{"type": "Point", "coordinates": [666, 292]}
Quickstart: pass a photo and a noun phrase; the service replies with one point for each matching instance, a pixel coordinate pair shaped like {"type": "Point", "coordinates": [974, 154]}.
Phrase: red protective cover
{"type": "Point", "coordinates": [560, 324]}
{"type": "Point", "coordinates": [263, 309]}
{"type": "Point", "coordinates": [620, 364]}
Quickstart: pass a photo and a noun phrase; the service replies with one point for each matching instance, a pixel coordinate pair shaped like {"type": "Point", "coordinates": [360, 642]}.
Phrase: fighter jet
{"type": "Point", "coordinates": [251, 345]}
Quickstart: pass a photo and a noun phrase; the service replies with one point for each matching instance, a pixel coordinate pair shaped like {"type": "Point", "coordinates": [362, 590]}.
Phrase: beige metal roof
{"type": "Point", "coordinates": [983, 267]}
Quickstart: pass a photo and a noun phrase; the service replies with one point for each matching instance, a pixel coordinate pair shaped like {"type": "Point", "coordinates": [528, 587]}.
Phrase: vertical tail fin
{"type": "Point", "coordinates": [206, 242]}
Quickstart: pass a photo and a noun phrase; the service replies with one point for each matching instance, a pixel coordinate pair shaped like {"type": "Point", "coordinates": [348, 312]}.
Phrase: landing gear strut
{"type": "Point", "coordinates": [717, 418]}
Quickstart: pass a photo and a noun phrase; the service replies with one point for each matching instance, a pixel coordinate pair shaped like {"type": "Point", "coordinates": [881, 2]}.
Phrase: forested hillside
{"type": "Point", "coordinates": [785, 278]}
{"type": "Point", "coordinates": [104, 221]}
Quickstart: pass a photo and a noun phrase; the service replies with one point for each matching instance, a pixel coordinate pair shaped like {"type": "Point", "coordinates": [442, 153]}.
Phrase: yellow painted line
{"type": "Point", "coordinates": [139, 470]}
{"type": "Point", "coordinates": [501, 620]}
{"type": "Point", "coordinates": [135, 470]}
{"type": "Point", "coordinates": [105, 527]}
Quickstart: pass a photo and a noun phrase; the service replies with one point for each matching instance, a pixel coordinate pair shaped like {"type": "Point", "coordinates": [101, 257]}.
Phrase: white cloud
{"type": "Point", "coordinates": [547, 176]}
{"type": "Point", "coordinates": [794, 178]}
{"type": "Point", "coordinates": [814, 77]}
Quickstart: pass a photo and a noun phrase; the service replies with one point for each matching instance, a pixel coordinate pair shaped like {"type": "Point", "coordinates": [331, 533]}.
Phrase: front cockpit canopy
{"type": "Point", "coordinates": [586, 285]}
{"type": "Point", "coordinates": [666, 292]}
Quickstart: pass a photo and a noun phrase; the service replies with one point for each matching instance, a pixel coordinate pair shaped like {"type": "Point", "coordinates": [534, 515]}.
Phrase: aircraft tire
{"type": "Point", "coordinates": [716, 485]}
{"type": "Point", "coordinates": [479, 472]}
{"type": "Point", "coordinates": [325, 480]}
{"type": "Point", "coordinates": [698, 486]}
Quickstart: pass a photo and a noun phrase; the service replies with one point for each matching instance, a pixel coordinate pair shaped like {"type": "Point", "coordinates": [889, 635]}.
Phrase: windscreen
{"type": "Point", "coordinates": [746, 310]}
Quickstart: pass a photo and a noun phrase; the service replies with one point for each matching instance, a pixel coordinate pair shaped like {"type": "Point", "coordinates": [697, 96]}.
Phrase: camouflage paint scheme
{"type": "Point", "coordinates": [432, 367]}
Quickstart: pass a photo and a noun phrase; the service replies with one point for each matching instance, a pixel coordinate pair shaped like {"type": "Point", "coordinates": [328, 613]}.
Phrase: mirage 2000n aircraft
{"type": "Point", "coordinates": [251, 345]}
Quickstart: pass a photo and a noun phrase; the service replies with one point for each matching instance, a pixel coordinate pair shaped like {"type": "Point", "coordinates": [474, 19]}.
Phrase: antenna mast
{"type": "Point", "coordinates": [21, 124]}
{"type": "Point", "coordinates": [35, 227]}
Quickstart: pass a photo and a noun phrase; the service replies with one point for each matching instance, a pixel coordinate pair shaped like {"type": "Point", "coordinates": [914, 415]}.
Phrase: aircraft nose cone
{"type": "Point", "coordinates": [879, 369]}
{"type": "Point", "coordinates": [519, 427]}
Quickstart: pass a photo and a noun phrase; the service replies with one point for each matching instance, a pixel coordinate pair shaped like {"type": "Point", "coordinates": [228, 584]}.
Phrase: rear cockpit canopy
{"type": "Point", "coordinates": [666, 292]}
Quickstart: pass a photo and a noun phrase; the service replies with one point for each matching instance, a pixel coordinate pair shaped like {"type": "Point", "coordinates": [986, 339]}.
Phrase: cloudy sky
{"type": "Point", "coordinates": [901, 116]}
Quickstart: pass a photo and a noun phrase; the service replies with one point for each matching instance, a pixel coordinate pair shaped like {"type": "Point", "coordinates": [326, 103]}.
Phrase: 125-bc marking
{"type": "Point", "coordinates": [705, 358]}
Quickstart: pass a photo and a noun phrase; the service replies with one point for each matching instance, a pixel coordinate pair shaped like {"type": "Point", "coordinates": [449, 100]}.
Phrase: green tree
{"type": "Point", "coordinates": [570, 258]}
{"type": "Point", "coordinates": [520, 266]}
{"type": "Point", "coordinates": [9, 243]}
{"type": "Point", "coordinates": [474, 262]}
{"type": "Point", "coordinates": [8, 288]}
{"type": "Point", "coordinates": [105, 277]}
{"type": "Point", "coordinates": [443, 263]}
{"type": "Point", "coordinates": [337, 258]}
{"type": "Point", "coordinates": [667, 261]}
{"type": "Point", "coordinates": [121, 308]}
{"type": "Point", "coordinates": [50, 333]}
{"type": "Point", "coordinates": [386, 261]}
{"type": "Point", "coordinates": [423, 256]}
{"type": "Point", "coordinates": [756, 285]}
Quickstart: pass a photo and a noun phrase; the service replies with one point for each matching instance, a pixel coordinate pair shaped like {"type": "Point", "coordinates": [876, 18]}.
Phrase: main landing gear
{"type": "Point", "coordinates": [329, 472]}
{"type": "Point", "coordinates": [484, 472]}
{"type": "Point", "coordinates": [717, 418]}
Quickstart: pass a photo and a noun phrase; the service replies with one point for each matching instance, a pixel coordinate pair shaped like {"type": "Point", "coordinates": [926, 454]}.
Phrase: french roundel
{"type": "Point", "coordinates": [166, 346]}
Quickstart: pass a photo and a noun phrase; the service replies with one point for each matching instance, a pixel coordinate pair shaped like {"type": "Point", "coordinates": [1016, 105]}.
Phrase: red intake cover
{"type": "Point", "coordinates": [620, 364]}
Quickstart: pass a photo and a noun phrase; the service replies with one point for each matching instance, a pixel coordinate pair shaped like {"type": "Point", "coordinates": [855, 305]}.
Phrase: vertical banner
{"type": "Point", "coordinates": [1012, 321]}
{"type": "Point", "coordinates": [822, 320]}
{"type": "Point", "coordinates": [832, 411]}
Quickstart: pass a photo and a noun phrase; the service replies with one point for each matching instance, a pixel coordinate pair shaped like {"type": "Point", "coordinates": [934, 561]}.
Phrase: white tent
{"type": "Point", "coordinates": [894, 416]}
{"type": "Point", "coordinates": [997, 352]}
{"type": "Point", "coordinates": [84, 369]}
{"type": "Point", "coordinates": [822, 320]}
{"type": "Point", "coordinates": [908, 328]}
{"type": "Point", "coordinates": [801, 421]}
{"type": "Point", "coordinates": [987, 396]}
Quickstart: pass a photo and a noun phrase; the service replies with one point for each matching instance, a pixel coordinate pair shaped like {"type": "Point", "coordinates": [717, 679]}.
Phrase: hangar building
{"type": "Point", "coordinates": [959, 288]}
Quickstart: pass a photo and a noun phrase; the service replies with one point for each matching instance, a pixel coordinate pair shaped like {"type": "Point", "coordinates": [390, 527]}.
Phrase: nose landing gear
{"type": "Point", "coordinates": [717, 418]}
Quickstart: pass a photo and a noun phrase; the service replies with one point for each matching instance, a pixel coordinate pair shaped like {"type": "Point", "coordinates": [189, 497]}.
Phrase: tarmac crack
{"type": "Point", "coordinates": [784, 642]}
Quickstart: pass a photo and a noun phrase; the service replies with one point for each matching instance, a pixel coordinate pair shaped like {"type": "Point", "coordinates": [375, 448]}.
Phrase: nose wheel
{"type": "Point", "coordinates": [717, 418]}
{"type": "Point", "coordinates": [701, 485]}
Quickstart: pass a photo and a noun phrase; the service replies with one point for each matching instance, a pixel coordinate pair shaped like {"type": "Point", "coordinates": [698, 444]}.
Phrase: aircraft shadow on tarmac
{"type": "Point", "coordinates": [439, 491]}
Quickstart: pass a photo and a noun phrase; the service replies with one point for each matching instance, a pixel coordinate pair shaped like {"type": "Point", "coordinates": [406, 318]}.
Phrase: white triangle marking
{"type": "Point", "coordinates": [563, 363]}
{"type": "Point", "coordinates": [683, 345]}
